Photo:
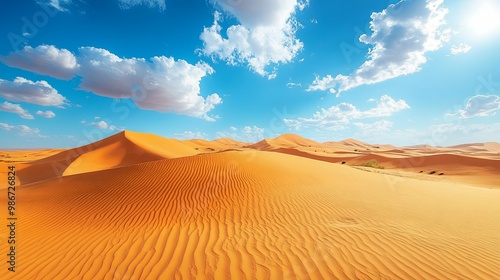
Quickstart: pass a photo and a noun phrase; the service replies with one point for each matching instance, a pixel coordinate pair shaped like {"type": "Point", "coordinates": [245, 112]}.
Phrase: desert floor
{"type": "Point", "coordinates": [139, 206]}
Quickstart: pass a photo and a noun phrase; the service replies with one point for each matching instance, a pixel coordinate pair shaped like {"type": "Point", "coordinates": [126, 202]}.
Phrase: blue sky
{"type": "Point", "coordinates": [398, 72]}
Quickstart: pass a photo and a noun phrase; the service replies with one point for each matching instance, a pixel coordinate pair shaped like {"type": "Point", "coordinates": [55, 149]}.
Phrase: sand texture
{"type": "Point", "coordinates": [139, 206]}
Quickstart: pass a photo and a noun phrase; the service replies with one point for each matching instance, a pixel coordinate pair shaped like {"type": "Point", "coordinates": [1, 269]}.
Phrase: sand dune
{"type": "Point", "coordinates": [159, 210]}
{"type": "Point", "coordinates": [122, 149]}
{"type": "Point", "coordinates": [472, 163]}
{"type": "Point", "coordinates": [284, 141]}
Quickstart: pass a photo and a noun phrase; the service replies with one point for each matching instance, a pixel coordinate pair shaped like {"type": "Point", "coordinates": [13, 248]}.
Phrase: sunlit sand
{"type": "Point", "coordinates": [139, 206]}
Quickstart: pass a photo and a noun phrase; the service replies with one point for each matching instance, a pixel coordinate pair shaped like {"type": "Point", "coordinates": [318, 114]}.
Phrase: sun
{"type": "Point", "coordinates": [484, 18]}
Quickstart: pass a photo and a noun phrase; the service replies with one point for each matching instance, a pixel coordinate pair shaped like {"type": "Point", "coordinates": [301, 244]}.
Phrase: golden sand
{"type": "Point", "coordinates": [138, 206]}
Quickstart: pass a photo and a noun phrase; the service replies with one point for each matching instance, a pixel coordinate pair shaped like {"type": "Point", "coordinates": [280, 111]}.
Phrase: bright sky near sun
{"type": "Point", "coordinates": [399, 72]}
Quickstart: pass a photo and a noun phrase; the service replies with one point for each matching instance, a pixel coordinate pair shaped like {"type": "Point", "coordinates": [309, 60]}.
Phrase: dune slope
{"type": "Point", "coordinates": [122, 149]}
{"type": "Point", "coordinates": [254, 214]}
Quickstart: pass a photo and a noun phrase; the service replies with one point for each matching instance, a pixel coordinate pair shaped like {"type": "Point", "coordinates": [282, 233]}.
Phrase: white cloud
{"type": "Point", "coordinates": [44, 59]}
{"type": "Point", "coordinates": [26, 130]}
{"type": "Point", "coordinates": [60, 5]}
{"type": "Point", "coordinates": [245, 134]}
{"type": "Point", "coordinates": [402, 35]}
{"type": "Point", "coordinates": [253, 130]}
{"type": "Point", "coordinates": [127, 4]}
{"type": "Point", "coordinates": [46, 114]}
{"type": "Point", "coordinates": [325, 83]}
{"type": "Point", "coordinates": [266, 35]}
{"type": "Point", "coordinates": [480, 106]}
{"type": "Point", "coordinates": [191, 135]}
{"type": "Point", "coordinates": [103, 125]}
{"type": "Point", "coordinates": [373, 128]}
{"type": "Point", "coordinates": [460, 48]}
{"type": "Point", "coordinates": [303, 5]}
{"type": "Point", "coordinates": [5, 126]}
{"type": "Point", "coordinates": [23, 90]}
{"type": "Point", "coordinates": [21, 130]}
{"type": "Point", "coordinates": [343, 113]}
{"type": "Point", "coordinates": [16, 109]}
{"type": "Point", "coordinates": [162, 84]}
{"type": "Point", "coordinates": [292, 84]}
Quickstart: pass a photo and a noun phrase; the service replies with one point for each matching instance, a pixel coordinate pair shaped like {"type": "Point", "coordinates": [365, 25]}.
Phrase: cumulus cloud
{"type": "Point", "coordinates": [245, 134]}
{"type": "Point", "coordinates": [16, 109]}
{"type": "Point", "coordinates": [479, 106]}
{"type": "Point", "coordinates": [264, 37]}
{"type": "Point", "coordinates": [46, 114]}
{"type": "Point", "coordinates": [127, 4]}
{"type": "Point", "coordinates": [162, 84]}
{"type": "Point", "coordinates": [460, 48]}
{"type": "Point", "coordinates": [343, 113]}
{"type": "Point", "coordinates": [23, 90]}
{"type": "Point", "coordinates": [44, 59]}
{"type": "Point", "coordinates": [402, 35]}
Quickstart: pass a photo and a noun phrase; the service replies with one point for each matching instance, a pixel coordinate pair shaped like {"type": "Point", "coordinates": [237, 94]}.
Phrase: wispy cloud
{"type": "Point", "coordinates": [292, 85]}
{"type": "Point", "coordinates": [60, 5]}
{"type": "Point", "coordinates": [369, 129]}
{"type": "Point", "coordinates": [245, 134]}
{"type": "Point", "coordinates": [5, 126]}
{"type": "Point", "coordinates": [21, 130]}
{"type": "Point", "coordinates": [127, 4]}
{"type": "Point", "coordinates": [16, 109]}
{"type": "Point", "coordinates": [191, 135]}
{"type": "Point", "coordinates": [479, 106]}
{"type": "Point", "coordinates": [103, 125]}
{"type": "Point", "coordinates": [460, 48]}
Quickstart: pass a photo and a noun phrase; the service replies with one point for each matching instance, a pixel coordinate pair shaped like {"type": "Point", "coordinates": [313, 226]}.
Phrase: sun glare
{"type": "Point", "coordinates": [484, 18]}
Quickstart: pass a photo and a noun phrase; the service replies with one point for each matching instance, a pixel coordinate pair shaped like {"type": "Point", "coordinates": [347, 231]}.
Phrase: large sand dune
{"type": "Point", "coordinates": [144, 207]}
